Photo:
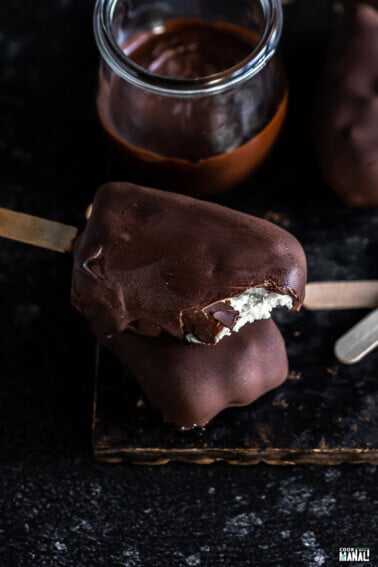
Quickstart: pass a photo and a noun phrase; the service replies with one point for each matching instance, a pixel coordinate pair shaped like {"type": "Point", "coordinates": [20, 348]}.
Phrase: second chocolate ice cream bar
{"type": "Point", "coordinates": [150, 261]}
{"type": "Point", "coordinates": [191, 384]}
{"type": "Point", "coordinates": [347, 109]}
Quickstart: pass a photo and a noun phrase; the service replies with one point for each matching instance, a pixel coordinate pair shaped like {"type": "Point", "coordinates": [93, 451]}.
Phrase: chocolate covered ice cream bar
{"type": "Point", "coordinates": [347, 109]}
{"type": "Point", "coordinates": [190, 385]}
{"type": "Point", "coordinates": [150, 262]}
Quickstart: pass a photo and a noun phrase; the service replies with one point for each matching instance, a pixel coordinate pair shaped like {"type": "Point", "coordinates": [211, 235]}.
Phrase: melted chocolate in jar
{"type": "Point", "coordinates": [189, 50]}
{"type": "Point", "coordinates": [199, 145]}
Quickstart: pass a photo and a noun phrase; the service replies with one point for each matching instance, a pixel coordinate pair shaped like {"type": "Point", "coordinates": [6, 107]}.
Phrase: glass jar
{"type": "Point", "coordinates": [192, 94]}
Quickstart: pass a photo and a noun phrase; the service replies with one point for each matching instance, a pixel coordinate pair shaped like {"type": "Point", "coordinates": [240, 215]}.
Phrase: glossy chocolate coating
{"type": "Point", "coordinates": [347, 114]}
{"type": "Point", "coordinates": [190, 385]}
{"type": "Point", "coordinates": [153, 261]}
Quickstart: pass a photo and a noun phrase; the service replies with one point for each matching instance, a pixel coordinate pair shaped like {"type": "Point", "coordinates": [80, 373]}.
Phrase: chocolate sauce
{"type": "Point", "coordinates": [189, 49]}
{"type": "Point", "coordinates": [197, 145]}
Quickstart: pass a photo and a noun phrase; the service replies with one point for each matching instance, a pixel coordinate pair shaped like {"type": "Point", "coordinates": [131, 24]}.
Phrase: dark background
{"type": "Point", "coordinates": [58, 506]}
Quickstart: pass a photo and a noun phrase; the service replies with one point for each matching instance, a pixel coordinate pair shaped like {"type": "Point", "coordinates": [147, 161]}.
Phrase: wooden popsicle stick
{"type": "Point", "coordinates": [359, 341]}
{"type": "Point", "coordinates": [341, 295]}
{"type": "Point", "coordinates": [37, 231]}
{"type": "Point", "coordinates": [89, 211]}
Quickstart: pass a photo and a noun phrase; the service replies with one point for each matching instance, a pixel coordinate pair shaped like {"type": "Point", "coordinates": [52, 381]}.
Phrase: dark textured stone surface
{"type": "Point", "coordinates": [83, 515]}
{"type": "Point", "coordinates": [58, 508]}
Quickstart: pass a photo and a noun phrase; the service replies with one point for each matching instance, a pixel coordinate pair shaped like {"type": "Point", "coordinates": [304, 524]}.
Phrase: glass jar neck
{"type": "Point", "coordinates": [127, 69]}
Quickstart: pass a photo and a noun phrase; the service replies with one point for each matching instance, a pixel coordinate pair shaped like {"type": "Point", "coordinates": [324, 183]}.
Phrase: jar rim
{"type": "Point", "coordinates": [138, 76]}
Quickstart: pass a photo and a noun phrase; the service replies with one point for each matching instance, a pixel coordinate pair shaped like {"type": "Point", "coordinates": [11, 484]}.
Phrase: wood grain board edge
{"type": "Point", "coordinates": [239, 457]}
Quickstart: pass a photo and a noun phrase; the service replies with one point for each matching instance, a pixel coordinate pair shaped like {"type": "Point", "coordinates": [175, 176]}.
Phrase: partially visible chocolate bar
{"type": "Point", "coordinates": [150, 262]}
{"type": "Point", "coordinates": [347, 109]}
{"type": "Point", "coordinates": [190, 385]}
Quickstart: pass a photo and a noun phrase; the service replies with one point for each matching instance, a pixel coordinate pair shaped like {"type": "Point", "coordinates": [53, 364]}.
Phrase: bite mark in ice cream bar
{"type": "Point", "coordinates": [255, 304]}
{"type": "Point", "coordinates": [152, 262]}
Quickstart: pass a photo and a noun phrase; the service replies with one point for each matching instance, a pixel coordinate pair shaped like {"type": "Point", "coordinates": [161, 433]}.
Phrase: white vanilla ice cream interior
{"type": "Point", "coordinates": [253, 305]}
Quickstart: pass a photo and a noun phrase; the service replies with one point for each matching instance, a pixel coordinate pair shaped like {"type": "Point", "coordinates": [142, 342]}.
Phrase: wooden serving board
{"type": "Point", "coordinates": [322, 414]}
{"type": "Point", "coordinates": [326, 412]}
